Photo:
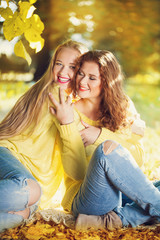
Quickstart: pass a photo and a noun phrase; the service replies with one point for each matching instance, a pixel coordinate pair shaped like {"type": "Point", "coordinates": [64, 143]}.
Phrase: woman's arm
{"type": "Point", "coordinates": [91, 134]}
{"type": "Point", "coordinates": [73, 152]}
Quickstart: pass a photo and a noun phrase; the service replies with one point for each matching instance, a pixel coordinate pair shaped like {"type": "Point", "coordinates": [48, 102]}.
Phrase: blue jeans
{"type": "Point", "coordinates": [110, 175]}
{"type": "Point", "coordinates": [13, 192]}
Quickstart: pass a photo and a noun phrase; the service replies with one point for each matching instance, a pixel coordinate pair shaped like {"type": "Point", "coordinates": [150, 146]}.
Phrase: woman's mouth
{"type": "Point", "coordinates": [83, 89]}
{"type": "Point", "coordinates": [63, 79]}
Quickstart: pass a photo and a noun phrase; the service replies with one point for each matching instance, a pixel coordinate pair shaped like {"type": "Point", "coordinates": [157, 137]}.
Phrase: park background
{"type": "Point", "coordinates": [128, 28]}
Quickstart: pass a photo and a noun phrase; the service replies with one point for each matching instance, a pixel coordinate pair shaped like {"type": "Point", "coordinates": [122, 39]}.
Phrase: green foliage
{"type": "Point", "coordinates": [24, 24]}
{"type": "Point", "coordinates": [147, 101]}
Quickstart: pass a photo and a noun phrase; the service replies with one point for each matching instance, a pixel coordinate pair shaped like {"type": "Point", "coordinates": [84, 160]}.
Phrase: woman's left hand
{"type": "Point", "coordinates": [138, 127]}
{"type": "Point", "coordinates": [90, 134]}
{"type": "Point", "coordinates": [63, 110]}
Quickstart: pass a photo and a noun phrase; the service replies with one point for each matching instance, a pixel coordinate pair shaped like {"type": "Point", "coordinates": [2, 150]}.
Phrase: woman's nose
{"type": "Point", "coordinates": [63, 70]}
{"type": "Point", "coordinates": [83, 80]}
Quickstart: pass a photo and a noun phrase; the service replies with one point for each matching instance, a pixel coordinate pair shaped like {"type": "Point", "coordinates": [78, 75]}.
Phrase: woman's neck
{"type": "Point", "coordinates": [89, 108]}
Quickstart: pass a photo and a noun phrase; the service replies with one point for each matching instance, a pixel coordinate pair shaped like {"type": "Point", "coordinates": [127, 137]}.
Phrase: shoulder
{"type": "Point", "coordinates": [131, 107]}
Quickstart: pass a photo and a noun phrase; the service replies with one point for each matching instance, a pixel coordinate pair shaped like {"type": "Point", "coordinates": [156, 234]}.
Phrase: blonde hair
{"type": "Point", "coordinates": [27, 109]}
{"type": "Point", "coordinates": [114, 104]}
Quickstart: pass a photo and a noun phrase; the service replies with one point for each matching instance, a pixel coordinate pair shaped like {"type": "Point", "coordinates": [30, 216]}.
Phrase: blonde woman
{"type": "Point", "coordinates": [97, 174]}
{"type": "Point", "coordinates": [30, 145]}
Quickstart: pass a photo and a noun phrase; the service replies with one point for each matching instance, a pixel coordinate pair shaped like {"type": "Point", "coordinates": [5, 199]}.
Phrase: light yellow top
{"type": "Point", "coordinates": [40, 154]}
{"type": "Point", "coordinates": [75, 157]}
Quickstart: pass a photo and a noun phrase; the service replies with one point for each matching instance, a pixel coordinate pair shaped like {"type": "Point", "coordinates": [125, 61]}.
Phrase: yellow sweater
{"type": "Point", "coordinates": [40, 154]}
{"type": "Point", "coordinates": [75, 157]}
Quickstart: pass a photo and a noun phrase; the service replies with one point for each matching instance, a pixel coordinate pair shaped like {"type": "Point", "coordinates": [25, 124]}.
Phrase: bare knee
{"type": "Point", "coordinates": [34, 195]}
{"type": "Point", "coordinates": [109, 146]}
{"type": "Point", "coordinates": [24, 213]}
{"type": "Point", "coordinates": [34, 191]}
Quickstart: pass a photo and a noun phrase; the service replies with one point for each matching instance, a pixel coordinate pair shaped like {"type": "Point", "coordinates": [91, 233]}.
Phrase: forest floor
{"type": "Point", "coordinates": [43, 230]}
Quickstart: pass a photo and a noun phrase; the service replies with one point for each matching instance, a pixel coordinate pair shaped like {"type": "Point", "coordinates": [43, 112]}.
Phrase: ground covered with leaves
{"type": "Point", "coordinates": [41, 230]}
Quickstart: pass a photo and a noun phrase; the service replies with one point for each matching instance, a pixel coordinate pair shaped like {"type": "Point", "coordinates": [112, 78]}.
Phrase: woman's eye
{"type": "Point", "coordinates": [59, 64]}
{"type": "Point", "coordinates": [92, 78]}
{"type": "Point", "coordinates": [72, 67]}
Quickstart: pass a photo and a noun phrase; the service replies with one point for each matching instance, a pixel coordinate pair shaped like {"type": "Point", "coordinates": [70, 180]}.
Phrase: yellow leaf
{"type": "Point", "coordinates": [32, 1]}
{"type": "Point", "coordinates": [37, 23]}
{"type": "Point", "coordinates": [26, 10]}
{"type": "Point", "coordinates": [19, 26]}
{"type": "Point", "coordinates": [13, 27]}
{"type": "Point", "coordinates": [32, 35]}
{"type": "Point", "coordinates": [8, 29]}
{"type": "Point", "coordinates": [34, 39]}
{"type": "Point", "coordinates": [6, 13]}
{"type": "Point", "coordinates": [24, 7]}
{"type": "Point", "coordinates": [20, 51]}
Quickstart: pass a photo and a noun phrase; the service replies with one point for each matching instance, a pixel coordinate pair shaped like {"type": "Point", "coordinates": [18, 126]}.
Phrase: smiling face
{"type": "Point", "coordinates": [88, 81]}
{"type": "Point", "coordinates": [63, 69]}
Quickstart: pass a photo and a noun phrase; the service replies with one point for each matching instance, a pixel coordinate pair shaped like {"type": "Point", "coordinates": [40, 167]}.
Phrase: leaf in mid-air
{"type": "Point", "coordinates": [20, 51]}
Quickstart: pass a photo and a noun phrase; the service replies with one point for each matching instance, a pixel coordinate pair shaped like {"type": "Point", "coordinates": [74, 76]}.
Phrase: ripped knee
{"type": "Point", "coordinates": [109, 146]}
{"type": "Point", "coordinates": [34, 191]}
{"type": "Point", "coordinates": [24, 213]}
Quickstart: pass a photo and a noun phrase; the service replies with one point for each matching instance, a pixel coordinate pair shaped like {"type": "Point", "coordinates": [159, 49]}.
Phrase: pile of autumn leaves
{"type": "Point", "coordinates": [39, 229]}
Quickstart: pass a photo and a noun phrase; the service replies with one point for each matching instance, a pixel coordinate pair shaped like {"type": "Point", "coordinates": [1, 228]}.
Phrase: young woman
{"type": "Point", "coordinates": [30, 145]}
{"type": "Point", "coordinates": [94, 185]}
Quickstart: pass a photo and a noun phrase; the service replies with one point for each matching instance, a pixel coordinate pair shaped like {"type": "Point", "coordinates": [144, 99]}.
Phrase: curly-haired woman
{"type": "Point", "coordinates": [97, 174]}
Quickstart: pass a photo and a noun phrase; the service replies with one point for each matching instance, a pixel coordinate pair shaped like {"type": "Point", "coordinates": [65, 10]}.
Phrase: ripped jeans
{"type": "Point", "coordinates": [13, 190]}
{"type": "Point", "coordinates": [107, 177]}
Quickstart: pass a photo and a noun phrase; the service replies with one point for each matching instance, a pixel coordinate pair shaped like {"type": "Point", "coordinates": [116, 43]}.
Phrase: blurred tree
{"type": "Point", "coordinates": [131, 29]}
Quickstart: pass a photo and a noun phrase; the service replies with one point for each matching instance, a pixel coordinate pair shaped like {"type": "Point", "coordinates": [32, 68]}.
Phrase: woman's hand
{"type": "Point", "coordinates": [138, 127]}
{"type": "Point", "coordinates": [90, 134]}
{"type": "Point", "coordinates": [63, 110]}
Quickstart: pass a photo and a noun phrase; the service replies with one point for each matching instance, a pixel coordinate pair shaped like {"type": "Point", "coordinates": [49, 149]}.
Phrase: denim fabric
{"type": "Point", "coordinates": [125, 200]}
{"type": "Point", "coordinates": [13, 189]}
{"type": "Point", "coordinates": [133, 215]}
{"type": "Point", "coordinates": [106, 177]}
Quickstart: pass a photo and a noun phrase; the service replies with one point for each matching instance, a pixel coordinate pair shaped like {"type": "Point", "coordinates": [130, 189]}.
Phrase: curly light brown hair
{"type": "Point", "coordinates": [114, 103]}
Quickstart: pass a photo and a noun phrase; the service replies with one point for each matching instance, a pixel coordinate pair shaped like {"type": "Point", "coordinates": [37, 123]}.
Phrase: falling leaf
{"type": "Point", "coordinates": [20, 51]}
